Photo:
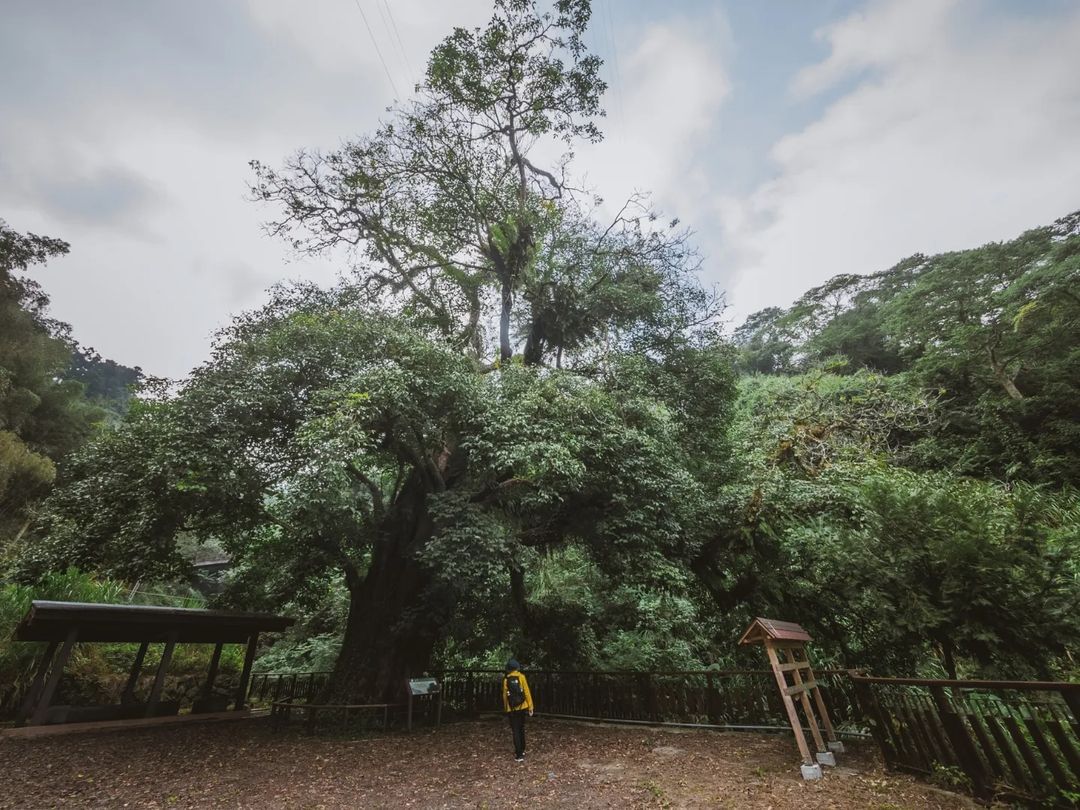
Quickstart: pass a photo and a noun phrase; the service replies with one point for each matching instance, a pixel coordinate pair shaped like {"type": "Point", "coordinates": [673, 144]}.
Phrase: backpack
{"type": "Point", "coordinates": [515, 694]}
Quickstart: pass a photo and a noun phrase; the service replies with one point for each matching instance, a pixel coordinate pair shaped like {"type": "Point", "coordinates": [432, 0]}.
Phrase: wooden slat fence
{"type": "Point", "coordinates": [303, 687]}
{"type": "Point", "coordinates": [1008, 739]}
{"type": "Point", "coordinates": [729, 698]}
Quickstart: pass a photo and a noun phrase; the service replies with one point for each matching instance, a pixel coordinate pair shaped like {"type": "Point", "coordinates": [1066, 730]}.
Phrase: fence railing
{"type": "Point", "coordinates": [727, 698]}
{"type": "Point", "coordinates": [997, 738]}
{"type": "Point", "coordinates": [303, 687]}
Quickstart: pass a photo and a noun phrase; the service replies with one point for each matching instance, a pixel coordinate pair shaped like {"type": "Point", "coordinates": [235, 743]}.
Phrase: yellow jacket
{"type": "Point", "coordinates": [528, 704]}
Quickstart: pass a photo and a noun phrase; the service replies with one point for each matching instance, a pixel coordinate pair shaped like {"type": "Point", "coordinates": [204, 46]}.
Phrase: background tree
{"type": "Point", "coordinates": [44, 414]}
{"type": "Point", "coordinates": [447, 209]}
{"type": "Point", "coordinates": [992, 330]}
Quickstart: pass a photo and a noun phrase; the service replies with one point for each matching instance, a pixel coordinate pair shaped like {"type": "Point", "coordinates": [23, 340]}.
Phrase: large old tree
{"type": "Point", "coordinates": [506, 371]}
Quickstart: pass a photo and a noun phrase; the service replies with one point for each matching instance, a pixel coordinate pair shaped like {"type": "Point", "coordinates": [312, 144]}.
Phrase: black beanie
{"type": "Point", "coordinates": [512, 664]}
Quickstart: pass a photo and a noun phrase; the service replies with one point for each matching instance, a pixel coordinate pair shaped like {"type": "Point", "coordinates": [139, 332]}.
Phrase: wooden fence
{"type": "Point", "coordinates": [724, 698]}
{"type": "Point", "coordinates": [997, 738]}
{"type": "Point", "coordinates": [303, 687]}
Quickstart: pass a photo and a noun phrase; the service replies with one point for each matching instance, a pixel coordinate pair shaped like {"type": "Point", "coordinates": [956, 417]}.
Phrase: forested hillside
{"type": "Point", "coordinates": [517, 426]}
{"type": "Point", "coordinates": [990, 333]}
{"type": "Point", "coordinates": [53, 393]}
{"type": "Point", "coordinates": [910, 442]}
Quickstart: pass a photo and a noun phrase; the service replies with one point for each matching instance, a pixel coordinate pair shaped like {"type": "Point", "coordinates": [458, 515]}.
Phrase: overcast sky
{"type": "Point", "coordinates": [798, 138]}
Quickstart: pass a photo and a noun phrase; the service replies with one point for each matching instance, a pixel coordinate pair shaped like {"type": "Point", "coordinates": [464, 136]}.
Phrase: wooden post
{"type": "Point", "coordinates": [34, 691]}
{"type": "Point", "coordinates": [249, 660]}
{"type": "Point", "coordinates": [789, 706]}
{"type": "Point", "coordinates": [804, 698]}
{"type": "Point", "coordinates": [159, 678]}
{"type": "Point", "coordinates": [42, 712]}
{"type": "Point", "coordinates": [962, 744]}
{"type": "Point", "coordinates": [128, 695]}
{"type": "Point", "coordinates": [211, 676]}
{"type": "Point", "coordinates": [819, 701]}
{"type": "Point", "coordinates": [712, 700]}
{"type": "Point", "coordinates": [879, 726]}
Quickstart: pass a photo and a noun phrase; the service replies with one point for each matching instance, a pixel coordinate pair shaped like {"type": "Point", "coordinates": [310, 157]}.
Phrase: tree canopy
{"type": "Point", "coordinates": [44, 413]}
{"type": "Point", "coordinates": [991, 330]}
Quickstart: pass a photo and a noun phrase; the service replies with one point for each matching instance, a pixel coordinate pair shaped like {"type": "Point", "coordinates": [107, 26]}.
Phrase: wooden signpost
{"type": "Point", "coordinates": [788, 640]}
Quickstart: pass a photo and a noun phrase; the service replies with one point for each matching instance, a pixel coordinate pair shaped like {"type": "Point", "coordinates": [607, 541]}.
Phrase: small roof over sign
{"type": "Point", "coordinates": [761, 630]}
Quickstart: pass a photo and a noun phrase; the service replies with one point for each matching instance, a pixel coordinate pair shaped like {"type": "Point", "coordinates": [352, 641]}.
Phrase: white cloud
{"type": "Point", "coordinates": [335, 35]}
{"type": "Point", "coordinates": [673, 84]}
{"type": "Point", "coordinates": [962, 128]}
{"type": "Point", "coordinates": [132, 142]}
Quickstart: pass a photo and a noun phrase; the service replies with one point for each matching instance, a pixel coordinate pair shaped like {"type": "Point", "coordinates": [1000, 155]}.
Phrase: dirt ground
{"type": "Point", "coordinates": [247, 764]}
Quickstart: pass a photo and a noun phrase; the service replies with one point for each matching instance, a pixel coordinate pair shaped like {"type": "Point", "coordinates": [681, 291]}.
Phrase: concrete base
{"type": "Point", "coordinates": [826, 758]}
{"type": "Point", "coordinates": [836, 747]}
{"type": "Point", "coordinates": [811, 773]}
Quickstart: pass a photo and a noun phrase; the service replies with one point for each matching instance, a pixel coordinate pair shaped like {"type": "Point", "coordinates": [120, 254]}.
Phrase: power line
{"type": "Point", "coordinates": [377, 51]}
{"type": "Point", "coordinates": [397, 36]}
{"type": "Point", "coordinates": [606, 13]}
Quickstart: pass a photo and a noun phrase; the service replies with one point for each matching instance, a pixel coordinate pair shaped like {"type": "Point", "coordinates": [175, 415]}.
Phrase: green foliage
{"type": "Point", "coordinates": [379, 436]}
{"type": "Point", "coordinates": [983, 577]}
{"type": "Point", "coordinates": [316, 653]}
{"type": "Point", "coordinates": [44, 414]}
{"type": "Point", "coordinates": [107, 383]}
{"type": "Point", "coordinates": [447, 212]}
{"type": "Point", "coordinates": [992, 330]}
{"type": "Point", "coordinates": [293, 447]}
{"type": "Point", "coordinates": [902, 572]}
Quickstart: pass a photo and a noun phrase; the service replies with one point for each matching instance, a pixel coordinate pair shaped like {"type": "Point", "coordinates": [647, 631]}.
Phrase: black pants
{"type": "Point", "coordinates": [517, 725]}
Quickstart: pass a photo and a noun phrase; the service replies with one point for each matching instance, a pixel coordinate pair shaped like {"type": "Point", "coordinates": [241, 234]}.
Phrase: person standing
{"type": "Point", "coordinates": [517, 702]}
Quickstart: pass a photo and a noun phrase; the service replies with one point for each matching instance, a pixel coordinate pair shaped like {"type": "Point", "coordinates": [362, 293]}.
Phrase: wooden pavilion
{"type": "Point", "coordinates": [64, 624]}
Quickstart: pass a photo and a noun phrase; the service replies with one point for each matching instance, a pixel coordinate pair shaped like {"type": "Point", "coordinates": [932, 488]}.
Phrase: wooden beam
{"type": "Point", "coordinates": [794, 665]}
{"type": "Point", "coordinates": [35, 687]}
{"type": "Point", "coordinates": [41, 713]}
{"type": "Point", "coordinates": [819, 699]}
{"type": "Point", "coordinates": [245, 675]}
{"type": "Point", "coordinates": [789, 706]}
{"type": "Point", "coordinates": [159, 678]}
{"type": "Point", "coordinates": [808, 708]}
{"type": "Point", "coordinates": [211, 676]}
{"type": "Point", "coordinates": [128, 695]}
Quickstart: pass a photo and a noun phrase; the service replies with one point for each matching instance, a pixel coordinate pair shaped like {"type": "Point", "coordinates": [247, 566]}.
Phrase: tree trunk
{"type": "Point", "coordinates": [948, 659]}
{"type": "Point", "coordinates": [534, 345]}
{"type": "Point", "coordinates": [393, 623]}
{"type": "Point", "coordinates": [505, 350]}
{"type": "Point", "coordinates": [1002, 375]}
{"type": "Point", "coordinates": [1008, 384]}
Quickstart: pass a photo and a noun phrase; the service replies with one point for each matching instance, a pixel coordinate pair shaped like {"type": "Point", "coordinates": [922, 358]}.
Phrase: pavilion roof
{"type": "Point", "coordinates": [52, 621]}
